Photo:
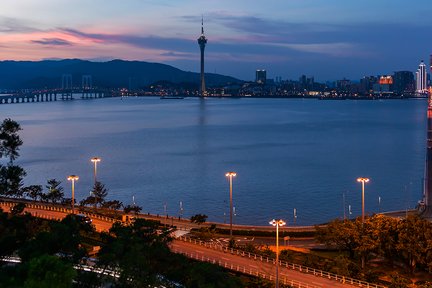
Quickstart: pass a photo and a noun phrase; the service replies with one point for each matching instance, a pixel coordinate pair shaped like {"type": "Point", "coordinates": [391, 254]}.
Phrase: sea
{"type": "Point", "coordinates": [295, 159]}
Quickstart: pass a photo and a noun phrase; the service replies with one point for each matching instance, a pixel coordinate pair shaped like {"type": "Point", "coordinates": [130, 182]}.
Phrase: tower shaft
{"type": "Point", "coordinates": [202, 41]}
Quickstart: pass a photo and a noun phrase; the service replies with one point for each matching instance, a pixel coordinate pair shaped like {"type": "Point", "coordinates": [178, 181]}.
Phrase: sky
{"type": "Point", "coordinates": [326, 39]}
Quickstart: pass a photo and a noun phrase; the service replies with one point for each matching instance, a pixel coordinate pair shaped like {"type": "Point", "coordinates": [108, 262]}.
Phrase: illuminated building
{"type": "Point", "coordinates": [260, 76]}
{"type": "Point", "coordinates": [421, 78]}
{"type": "Point", "coordinates": [202, 41]}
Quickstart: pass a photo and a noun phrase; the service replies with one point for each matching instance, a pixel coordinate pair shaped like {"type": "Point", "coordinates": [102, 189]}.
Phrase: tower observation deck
{"type": "Point", "coordinates": [202, 41]}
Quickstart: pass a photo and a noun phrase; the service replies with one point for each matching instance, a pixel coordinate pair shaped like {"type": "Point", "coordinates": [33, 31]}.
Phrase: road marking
{"type": "Point", "coordinates": [316, 283]}
{"type": "Point", "coordinates": [198, 251]}
{"type": "Point", "coordinates": [226, 259]}
{"type": "Point", "coordinates": [254, 266]}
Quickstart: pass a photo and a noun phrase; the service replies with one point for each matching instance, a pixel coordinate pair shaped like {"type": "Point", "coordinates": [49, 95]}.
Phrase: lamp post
{"type": "Point", "coordinates": [363, 180]}
{"type": "Point", "coordinates": [277, 223]}
{"type": "Point", "coordinates": [231, 175]}
{"type": "Point", "coordinates": [73, 178]}
{"type": "Point", "coordinates": [95, 160]}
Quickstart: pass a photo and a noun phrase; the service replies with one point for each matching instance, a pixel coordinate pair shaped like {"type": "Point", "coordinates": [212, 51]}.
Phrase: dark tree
{"type": "Point", "coordinates": [199, 218]}
{"type": "Point", "coordinates": [34, 192]}
{"type": "Point", "coordinates": [11, 180]}
{"type": "Point", "coordinates": [113, 204]}
{"type": "Point", "coordinates": [99, 193]}
{"type": "Point", "coordinates": [18, 209]}
{"type": "Point", "coordinates": [55, 191]}
{"type": "Point", "coordinates": [50, 272]}
{"type": "Point", "coordinates": [132, 208]}
{"type": "Point", "coordinates": [10, 141]}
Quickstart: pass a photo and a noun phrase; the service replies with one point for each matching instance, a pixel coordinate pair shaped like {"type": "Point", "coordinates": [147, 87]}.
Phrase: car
{"type": "Point", "coordinates": [83, 218]}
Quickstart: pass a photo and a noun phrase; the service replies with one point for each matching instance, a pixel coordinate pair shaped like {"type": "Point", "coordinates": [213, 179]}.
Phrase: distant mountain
{"type": "Point", "coordinates": [111, 74]}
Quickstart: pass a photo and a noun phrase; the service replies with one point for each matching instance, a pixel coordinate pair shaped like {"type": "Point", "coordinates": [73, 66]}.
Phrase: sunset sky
{"type": "Point", "coordinates": [328, 39]}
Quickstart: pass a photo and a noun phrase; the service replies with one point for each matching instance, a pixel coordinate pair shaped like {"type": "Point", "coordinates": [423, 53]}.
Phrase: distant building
{"type": "Point", "coordinates": [343, 84]}
{"type": "Point", "coordinates": [421, 78]}
{"type": "Point", "coordinates": [261, 76]}
{"type": "Point", "coordinates": [366, 84]}
{"type": "Point", "coordinates": [403, 82]}
{"type": "Point", "coordinates": [384, 84]}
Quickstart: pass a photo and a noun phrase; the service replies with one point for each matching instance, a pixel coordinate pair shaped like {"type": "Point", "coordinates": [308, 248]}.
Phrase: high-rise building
{"type": "Point", "coordinates": [403, 82]}
{"type": "Point", "coordinates": [260, 76]}
{"type": "Point", "coordinates": [202, 41]}
{"type": "Point", "coordinates": [421, 78]}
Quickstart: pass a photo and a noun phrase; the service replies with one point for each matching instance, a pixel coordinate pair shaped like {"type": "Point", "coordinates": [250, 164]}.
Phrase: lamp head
{"type": "Point", "coordinates": [278, 222]}
{"type": "Point", "coordinates": [73, 178]}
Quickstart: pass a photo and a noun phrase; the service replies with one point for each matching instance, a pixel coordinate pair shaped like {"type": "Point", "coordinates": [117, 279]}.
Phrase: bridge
{"type": "Point", "coordinates": [54, 95]}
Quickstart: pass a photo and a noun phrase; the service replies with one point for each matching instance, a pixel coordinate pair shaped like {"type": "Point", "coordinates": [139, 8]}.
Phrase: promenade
{"type": "Point", "coordinates": [236, 260]}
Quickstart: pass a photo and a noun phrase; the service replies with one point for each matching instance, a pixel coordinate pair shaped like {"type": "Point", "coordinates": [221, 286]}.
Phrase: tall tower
{"type": "Point", "coordinates": [202, 41]}
{"type": "Point", "coordinates": [421, 78]}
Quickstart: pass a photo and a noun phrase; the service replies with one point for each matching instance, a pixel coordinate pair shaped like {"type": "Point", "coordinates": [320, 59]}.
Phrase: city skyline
{"type": "Point", "coordinates": [327, 40]}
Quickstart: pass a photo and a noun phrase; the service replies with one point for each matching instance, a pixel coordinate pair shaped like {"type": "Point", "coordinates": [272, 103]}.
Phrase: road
{"type": "Point", "coordinates": [252, 266]}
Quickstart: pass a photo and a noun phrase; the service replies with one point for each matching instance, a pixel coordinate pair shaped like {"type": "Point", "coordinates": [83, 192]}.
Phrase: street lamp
{"type": "Point", "coordinates": [95, 160]}
{"type": "Point", "coordinates": [73, 178]}
{"type": "Point", "coordinates": [231, 175]}
{"type": "Point", "coordinates": [363, 180]}
{"type": "Point", "coordinates": [277, 223]}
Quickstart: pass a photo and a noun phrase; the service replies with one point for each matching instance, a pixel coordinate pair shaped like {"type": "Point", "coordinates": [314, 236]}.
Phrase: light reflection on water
{"type": "Point", "coordinates": [288, 154]}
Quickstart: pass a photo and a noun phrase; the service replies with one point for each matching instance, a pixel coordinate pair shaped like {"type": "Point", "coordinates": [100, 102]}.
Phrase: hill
{"type": "Point", "coordinates": [111, 74]}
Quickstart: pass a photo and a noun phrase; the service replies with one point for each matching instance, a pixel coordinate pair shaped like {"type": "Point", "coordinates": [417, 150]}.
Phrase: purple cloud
{"type": "Point", "coordinates": [53, 42]}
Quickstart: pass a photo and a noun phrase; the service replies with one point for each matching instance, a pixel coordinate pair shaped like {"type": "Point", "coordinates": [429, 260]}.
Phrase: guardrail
{"type": "Point", "coordinates": [39, 206]}
{"type": "Point", "coordinates": [246, 270]}
{"type": "Point", "coordinates": [297, 267]}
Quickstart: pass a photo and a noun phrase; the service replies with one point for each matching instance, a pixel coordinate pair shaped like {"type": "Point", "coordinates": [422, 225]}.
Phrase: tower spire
{"type": "Point", "coordinates": [202, 25]}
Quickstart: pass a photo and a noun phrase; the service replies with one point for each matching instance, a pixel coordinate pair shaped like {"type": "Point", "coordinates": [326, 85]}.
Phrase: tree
{"type": "Point", "coordinates": [49, 271]}
{"type": "Point", "coordinates": [132, 208]}
{"type": "Point", "coordinates": [99, 193]}
{"type": "Point", "coordinates": [113, 204]}
{"type": "Point", "coordinates": [55, 191]}
{"type": "Point", "coordinates": [18, 209]}
{"type": "Point", "coordinates": [413, 244]}
{"type": "Point", "coordinates": [138, 250]}
{"type": "Point", "coordinates": [33, 192]}
{"type": "Point", "coordinates": [11, 180]}
{"type": "Point", "coordinates": [10, 141]}
{"type": "Point", "coordinates": [199, 218]}
{"type": "Point", "coordinates": [339, 234]}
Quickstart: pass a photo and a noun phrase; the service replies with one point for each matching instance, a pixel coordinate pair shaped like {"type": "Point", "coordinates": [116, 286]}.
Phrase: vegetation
{"type": "Point", "coordinates": [139, 252]}
{"type": "Point", "coordinates": [395, 241]}
{"type": "Point", "coordinates": [199, 218]}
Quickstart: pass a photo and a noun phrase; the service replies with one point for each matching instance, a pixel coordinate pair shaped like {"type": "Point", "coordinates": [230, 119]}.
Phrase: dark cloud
{"type": "Point", "coordinates": [13, 25]}
{"type": "Point", "coordinates": [52, 42]}
{"type": "Point", "coordinates": [152, 42]}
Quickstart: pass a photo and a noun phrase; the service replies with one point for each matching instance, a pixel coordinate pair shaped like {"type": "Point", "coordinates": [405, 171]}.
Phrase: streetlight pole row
{"type": "Point", "coordinates": [74, 178]}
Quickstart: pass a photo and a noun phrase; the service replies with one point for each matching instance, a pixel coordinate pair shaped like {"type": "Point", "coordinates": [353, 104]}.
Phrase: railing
{"type": "Point", "coordinates": [296, 267]}
{"type": "Point", "coordinates": [58, 209]}
{"type": "Point", "coordinates": [246, 270]}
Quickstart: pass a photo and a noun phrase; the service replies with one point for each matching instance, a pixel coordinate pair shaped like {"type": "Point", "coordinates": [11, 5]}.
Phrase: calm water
{"type": "Point", "coordinates": [302, 154]}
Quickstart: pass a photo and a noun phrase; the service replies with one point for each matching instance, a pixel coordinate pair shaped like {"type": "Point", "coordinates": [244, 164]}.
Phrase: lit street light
{"type": "Point", "coordinates": [73, 178]}
{"type": "Point", "coordinates": [95, 160]}
{"type": "Point", "coordinates": [231, 175]}
{"type": "Point", "coordinates": [277, 223]}
{"type": "Point", "coordinates": [363, 180]}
